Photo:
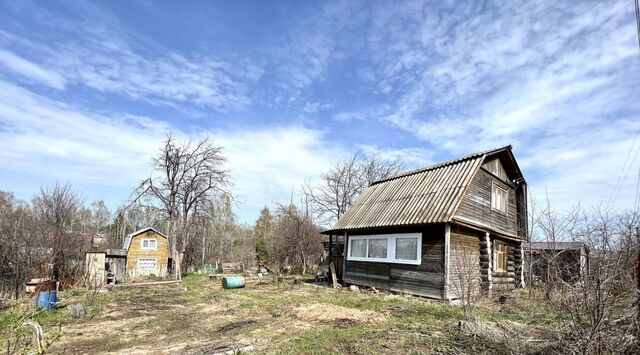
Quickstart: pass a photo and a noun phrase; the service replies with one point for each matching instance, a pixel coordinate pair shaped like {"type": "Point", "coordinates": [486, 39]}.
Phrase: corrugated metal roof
{"type": "Point", "coordinates": [427, 195]}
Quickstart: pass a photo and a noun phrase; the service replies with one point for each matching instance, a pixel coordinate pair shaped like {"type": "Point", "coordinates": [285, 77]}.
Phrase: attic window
{"type": "Point", "coordinates": [149, 244]}
{"type": "Point", "coordinates": [499, 198]}
{"type": "Point", "coordinates": [495, 167]}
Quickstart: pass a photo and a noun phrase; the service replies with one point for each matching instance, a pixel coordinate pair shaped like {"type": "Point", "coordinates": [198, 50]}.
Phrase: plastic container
{"type": "Point", "coordinates": [47, 300]}
{"type": "Point", "coordinates": [233, 282]}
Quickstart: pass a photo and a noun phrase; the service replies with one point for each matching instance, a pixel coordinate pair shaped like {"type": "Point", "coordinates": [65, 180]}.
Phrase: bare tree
{"type": "Point", "coordinates": [464, 280]}
{"type": "Point", "coordinates": [189, 176]}
{"type": "Point", "coordinates": [340, 186]}
{"type": "Point", "coordinates": [599, 308]}
{"type": "Point", "coordinates": [18, 257]}
{"type": "Point", "coordinates": [56, 211]}
{"type": "Point", "coordinates": [552, 227]}
{"type": "Point", "coordinates": [297, 239]}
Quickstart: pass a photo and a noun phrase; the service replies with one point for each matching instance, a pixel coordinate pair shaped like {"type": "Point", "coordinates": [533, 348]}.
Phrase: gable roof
{"type": "Point", "coordinates": [129, 237]}
{"type": "Point", "coordinates": [428, 195]}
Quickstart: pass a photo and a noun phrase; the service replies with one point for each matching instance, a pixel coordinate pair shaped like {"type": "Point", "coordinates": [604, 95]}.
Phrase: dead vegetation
{"type": "Point", "coordinates": [198, 316]}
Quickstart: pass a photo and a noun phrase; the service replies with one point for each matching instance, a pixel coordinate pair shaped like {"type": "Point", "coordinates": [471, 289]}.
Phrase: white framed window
{"type": "Point", "coordinates": [147, 264]}
{"type": "Point", "coordinates": [149, 244]}
{"type": "Point", "coordinates": [499, 198]}
{"type": "Point", "coordinates": [401, 248]}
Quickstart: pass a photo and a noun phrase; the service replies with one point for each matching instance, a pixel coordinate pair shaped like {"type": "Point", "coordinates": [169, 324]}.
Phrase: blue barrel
{"type": "Point", "coordinates": [47, 299]}
{"type": "Point", "coordinates": [233, 282]}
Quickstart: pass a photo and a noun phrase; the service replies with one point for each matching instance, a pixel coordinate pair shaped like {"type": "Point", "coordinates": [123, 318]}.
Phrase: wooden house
{"type": "Point", "coordinates": [412, 232]}
{"type": "Point", "coordinates": [147, 253]}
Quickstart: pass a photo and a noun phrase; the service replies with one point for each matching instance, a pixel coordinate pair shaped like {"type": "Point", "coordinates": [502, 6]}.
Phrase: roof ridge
{"type": "Point", "coordinates": [441, 164]}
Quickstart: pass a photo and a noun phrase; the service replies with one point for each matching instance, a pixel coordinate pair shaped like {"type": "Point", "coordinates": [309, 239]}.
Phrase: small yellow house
{"type": "Point", "coordinates": [147, 253]}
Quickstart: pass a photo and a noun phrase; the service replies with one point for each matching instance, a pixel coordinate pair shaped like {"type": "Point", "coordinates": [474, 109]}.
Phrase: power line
{"type": "Point", "coordinates": [624, 172]}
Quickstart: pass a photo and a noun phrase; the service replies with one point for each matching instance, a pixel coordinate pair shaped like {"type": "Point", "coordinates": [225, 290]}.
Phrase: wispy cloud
{"type": "Point", "coordinates": [107, 58]}
{"type": "Point", "coordinates": [558, 82]}
{"type": "Point", "coordinates": [30, 70]}
{"type": "Point", "coordinates": [46, 138]}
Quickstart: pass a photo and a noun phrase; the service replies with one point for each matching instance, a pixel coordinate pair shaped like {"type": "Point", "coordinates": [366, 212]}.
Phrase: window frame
{"type": "Point", "coordinates": [155, 244]}
{"type": "Point", "coordinates": [503, 254]}
{"type": "Point", "coordinates": [391, 248]}
{"type": "Point", "coordinates": [155, 264]}
{"type": "Point", "coordinates": [505, 200]}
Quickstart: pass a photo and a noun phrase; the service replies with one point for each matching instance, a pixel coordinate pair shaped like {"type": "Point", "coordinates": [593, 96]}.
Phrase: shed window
{"type": "Point", "coordinates": [500, 257]}
{"type": "Point", "coordinates": [378, 248]}
{"type": "Point", "coordinates": [146, 264]}
{"type": "Point", "coordinates": [402, 248]}
{"type": "Point", "coordinates": [406, 248]}
{"type": "Point", "coordinates": [499, 198]}
{"type": "Point", "coordinates": [358, 248]}
{"type": "Point", "coordinates": [149, 244]}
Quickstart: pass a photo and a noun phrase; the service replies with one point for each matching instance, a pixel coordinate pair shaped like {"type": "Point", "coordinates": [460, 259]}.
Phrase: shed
{"type": "Point", "coordinates": [95, 274]}
{"type": "Point", "coordinates": [147, 252]}
{"type": "Point", "coordinates": [414, 231]}
{"type": "Point", "coordinates": [566, 260]}
{"type": "Point", "coordinates": [116, 264]}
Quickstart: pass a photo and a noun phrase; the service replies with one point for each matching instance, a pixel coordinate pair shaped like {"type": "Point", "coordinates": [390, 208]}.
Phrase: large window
{"type": "Point", "coordinates": [499, 198]}
{"type": "Point", "coordinates": [403, 248]}
{"type": "Point", "coordinates": [500, 259]}
{"type": "Point", "coordinates": [149, 244]}
{"type": "Point", "coordinates": [146, 264]}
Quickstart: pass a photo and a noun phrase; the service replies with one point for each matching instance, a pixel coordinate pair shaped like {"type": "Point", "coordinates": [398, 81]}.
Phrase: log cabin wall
{"type": "Point", "coordinates": [426, 279]}
{"type": "Point", "coordinates": [508, 279]}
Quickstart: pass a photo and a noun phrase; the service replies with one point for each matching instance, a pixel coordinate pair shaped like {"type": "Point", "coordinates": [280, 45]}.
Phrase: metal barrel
{"type": "Point", "coordinates": [233, 282]}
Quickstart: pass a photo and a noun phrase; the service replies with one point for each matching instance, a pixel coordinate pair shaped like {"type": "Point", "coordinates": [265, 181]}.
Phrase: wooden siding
{"type": "Point", "coordinates": [94, 268]}
{"type": "Point", "coordinates": [464, 261]}
{"type": "Point", "coordinates": [476, 205]}
{"type": "Point", "coordinates": [426, 279]}
{"type": "Point", "coordinates": [117, 266]}
{"type": "Point", "coordinates": [135, 252]}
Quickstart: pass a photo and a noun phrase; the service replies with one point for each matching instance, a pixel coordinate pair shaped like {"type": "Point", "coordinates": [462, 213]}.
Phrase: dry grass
{"type": "Point", "coordinates": [200, 317]}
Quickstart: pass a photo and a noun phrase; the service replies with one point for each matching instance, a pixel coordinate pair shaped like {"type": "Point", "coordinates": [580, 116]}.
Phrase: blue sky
{"type": "Point", "coordinates": [89, 89]}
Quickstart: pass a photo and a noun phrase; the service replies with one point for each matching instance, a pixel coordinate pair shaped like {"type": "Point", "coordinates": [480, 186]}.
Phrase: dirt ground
{"type": "Point", "coordinates": [199, 317]}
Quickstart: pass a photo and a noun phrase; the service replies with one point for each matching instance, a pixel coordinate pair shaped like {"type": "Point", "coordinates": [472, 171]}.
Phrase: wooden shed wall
{"type": "Point", "coordinates": [135, 252]}
{"type": "Point", "coordinates": [476, 204]}
{"type": "Point", "coordinates": [117, 266]}
{"type": "Point", "coordinates": [426, 279]}
{"type": "Point", "coordinates": [94, 269]}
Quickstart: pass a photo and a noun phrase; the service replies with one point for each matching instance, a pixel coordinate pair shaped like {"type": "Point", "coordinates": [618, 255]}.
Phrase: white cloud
{"type": "Point", "coordinates": [50, 140]}
{"type": "Point", "coordinates": [557, 82]}
{"type": "Point", "coordinates": [106, 57]}
{"type": "Point", "coordinates": [31, 70]}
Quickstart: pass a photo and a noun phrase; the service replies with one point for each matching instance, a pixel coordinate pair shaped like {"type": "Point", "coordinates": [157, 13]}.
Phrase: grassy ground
{"type": "Point", "coordinates": [199, 317]}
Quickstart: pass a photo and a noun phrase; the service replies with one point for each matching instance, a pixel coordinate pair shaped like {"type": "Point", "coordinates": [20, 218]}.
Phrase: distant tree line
{"type": "Point", "coordinates": [186, 197]}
